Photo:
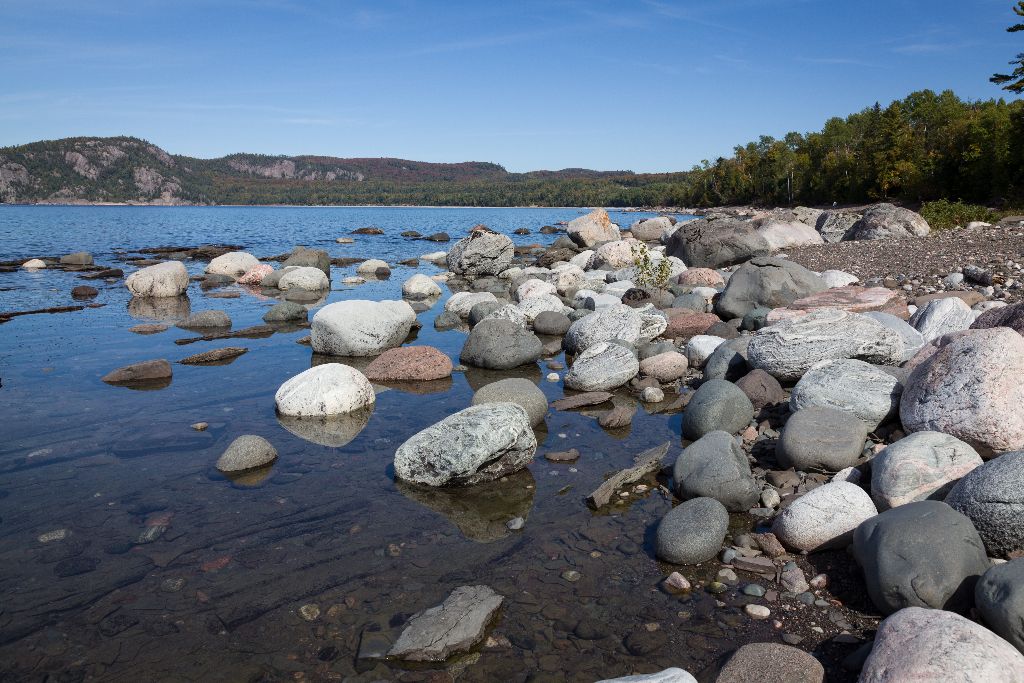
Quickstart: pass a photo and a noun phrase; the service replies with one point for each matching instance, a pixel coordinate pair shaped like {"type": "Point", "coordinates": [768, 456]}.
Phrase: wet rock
{"type": "Point", "coordinates": [500, 345]}
{"type": "Point", "coordinates": [454, 626]}
{"type": "Point", "coordinates": [84, 292]}
{"type": "Point", "coordinates": [592, 229]}
{"type": "Point", "coordinates": [766, 282]}
{"type": "Point", "coordinates": [824, 517]}
{"type": "Point", "coordinates": [409, 364]}
{"type": "Point", "coordinates": [999, 597]}
{"type": "Point", "coordinates": [652, 395]}
{"type": "Point", "coordinates": [361, 328]}
{"type": "Point", "coordinates": [616, 322]}
{"type": "Point", "coordinates": [992, 496]}
{"type": "Point", "coordinates": [228, 353]}
{"type": "Point", "coordinates": [969, 389]}
{"type": "Point", "coordinates": [286, 311]}
{"type": "Point", "coordinates": [74, 566]}
{"type": "Point", "coordinates": [692, 532]}
{"type": "Point", "coordinates": [618, 417]}
{"type": "Point", "coordinates": [789, 348]}
{"type": "Point", "coordinates": [942, 316]}
{"type": "Point", "coordinates": [584, 400]}
{"type": "Point", "coordinates": [716, 405]}
{"type": "Point", "coordinates": [761, 388]}
{"type": "Point", "coordinates": [80, 258]}
{"type": "Point", "coordinates": [206, 319]}
{"type": "Point", "coordinates": [245, 453]}
{"type": "Point", "coordinates": [477, 444]}
{"type": "Point", "coordinates": [917, 644]}
{"type": "Point", "coordinates": [333, 431]}
{"type": "Point", "coordinates": [233, 264]}
{"type": "Point", "coordinates": [161, 280]}
{"type": "Point", "coordinates": [601, 367]}
{"type": "Point", "coordinates": [899, 551]}
{"type": "Point", "coordinates": [854, 386]}
{"type": "Point", "coordinates": [482, 253]}
{"type": "Point", "coordinates": [323, 390]}
{"type": "Point", "coordinates": [146, 372]}
{"type": "Point", "coordinates": [771, 663]}
{"type": "Point", "coordinates": [885, 221]}
{"type": "Point", "coordinates": [303, 279]}
{"type": "Point", "coordinates": [516, 390]}
{"type": "Point", "coordinates": [924, 465]}
{"type": "Point", "coordinates": [571, 455]}
{"type": "Point", "coordinates": [821, 438]}
{"type": "Point", "coordinates": [420, 286]}
{"type": "Point", "coordinates": [716, 467]}
{"type": "Point", "coordinates": [643, 464]}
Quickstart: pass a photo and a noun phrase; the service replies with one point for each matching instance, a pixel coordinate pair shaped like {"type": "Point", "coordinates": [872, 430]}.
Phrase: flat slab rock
{"type": "Point", "coordinates": [591, 398]}
{"type": "Point", "coordinates": [644, 463]}
{"type": "Point", "coordinates": [214, 355]}
{"type": "Point", "coordinates": [851, 298]}
{"type": "Point", "coordinates": [454, 626]}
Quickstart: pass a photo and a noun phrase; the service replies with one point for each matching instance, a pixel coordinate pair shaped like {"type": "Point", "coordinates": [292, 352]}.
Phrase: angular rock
{"type": "Point", "coordinates": [602, 367]}
{"type": "Point", "coordinates": [716, 467]}
{"type": "Point", "coordinates": [643, 464]}
{"type": "Point", "coordinates": [924, 465]}
{"type": "Point", "coordinates": [478, 444]}
{"type": "Point", "coordinates": [823, 518]}
{"type": "Point", "coordinates": [835, 226]}
{"type": "Point", "coordinates": [223, 355]}
{"type": "Point", "coordinates": [454, 626]}
{"type": "Point", "coordinates": [480, 254]}
{"type": "Point", "coordinates": [591, 398]}
{"type": "Point", "coordinates": [592, 229]}
{"type": "Point", "coordinates": [716, 405]}
{"type": "Point", "coordinates": [361, 328]}
{"type": "Point", "coordinates": [870, 393]}
{"type": "Point", "coordinates": [164, 279]}
{"type": "Point", "coordinates": [692, 532]}
{"type": "Point", "coordinates": [245, 453]}
{"type": "Point", "coordinates": [885, 221]}
{"type": "Point", "coordinates": [992, 496]}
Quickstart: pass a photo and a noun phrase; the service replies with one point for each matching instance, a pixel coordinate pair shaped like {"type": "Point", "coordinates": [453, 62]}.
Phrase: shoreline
{"type": "Point", "coordinates": [630, 209]}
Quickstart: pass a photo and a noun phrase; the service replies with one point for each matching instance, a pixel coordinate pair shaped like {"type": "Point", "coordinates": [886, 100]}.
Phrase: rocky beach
{"type": "Point", "coordinates": [771, 445]}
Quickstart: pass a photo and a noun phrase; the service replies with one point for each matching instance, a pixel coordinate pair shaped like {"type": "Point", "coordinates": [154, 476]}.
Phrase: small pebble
{"type": "Point", "coordinates": [571, 575]}
{"type": "Point", "coordinates": [516, 523]}
{"type": "Point", "coordinates": [200, 426]}
{"type": "Point", "coordinates": [310, 612]}
{"type": "Point", "coordinates": [757, 611]}
{"type": "Point", "coordinates": [552, 377]}
{"type": "Point", "coordinates": [754, 590]}
{"type": "Point", "coordinates": [55, 535]}
{"type": "Point", "coordinates": [676, 583]}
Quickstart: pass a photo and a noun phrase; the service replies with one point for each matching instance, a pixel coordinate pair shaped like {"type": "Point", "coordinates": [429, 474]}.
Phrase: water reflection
{"type": "Point", "coordinates": [478, 377]}
{"type": "Point", "coordinates": [248, 479]}
{"type": "Point", "coordinates": [482, 511]}
{"type": "Point", "coordinates": [163, 308]}
{"type": "Point", "coordinates": [334, 431]}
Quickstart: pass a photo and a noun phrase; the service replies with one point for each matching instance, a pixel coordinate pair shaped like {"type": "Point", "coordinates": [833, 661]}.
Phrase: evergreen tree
{"type": "Point", "coordinates": [1014, 82]}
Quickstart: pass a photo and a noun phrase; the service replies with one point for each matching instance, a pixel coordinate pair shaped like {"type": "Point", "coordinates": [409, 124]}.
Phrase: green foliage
{"type": "Point", "coordinates": [1013, 82]}
{"type": "Point", "coordinates": [945, 215]}
{"type": "Point", "coordinates": [649, 275]}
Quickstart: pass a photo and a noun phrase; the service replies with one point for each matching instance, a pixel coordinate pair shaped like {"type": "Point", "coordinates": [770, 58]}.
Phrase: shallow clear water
{"type": "Point", "coordinates": [167, 570]}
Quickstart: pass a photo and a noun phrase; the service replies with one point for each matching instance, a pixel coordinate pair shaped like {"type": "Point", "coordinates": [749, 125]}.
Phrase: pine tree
{"type": "Point", "coordinates": [1013, 82]}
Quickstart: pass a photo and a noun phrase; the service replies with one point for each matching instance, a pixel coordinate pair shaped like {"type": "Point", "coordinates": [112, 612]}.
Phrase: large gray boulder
{"type": "Point", "coordinates": [728, 361]}
{"type": "Point", "coordinates": [482, 253]}
{"type": "Point", "coordinates": [835, 226]}
{"type": "Point", "coordinates": [498, 344]}
{"type": "Point", "coordinates": [602, 367]}
{"type": "Point", "coordinates": [788, 349]}
{"type": "Point", "coordinates": [870, 393]}
{"type": "Point", "coordinates": [716, 405]}
{"type": "Point", "coordinates": [592, 229]}
{"type": "Point", "coordinates": [885, 221]}
{"type": "Point", "coordinates": [923, 554]}
{"type": "Point", "coordinates": [652, 229]}
{"type": "Point", "coordinates": [970, 388]}
{"type": "Point", "coordinates": [164, 279]}
{"type": "Point", "coordinates": [311, 258]}
{"type": "Point", "coordinates": [999, 597]}
{"type": "Point", "coordinates": [942, 316]}
{"type": "Point", "coordinates": [692, 532]}
{"type": "Point", "coordinates": [918, 467]}
{"type": "Point", "coordinates": [480, 443]}
{"type": "Point", "coordinates": [634, 325]}
{"type": "Point", "coordinates": [516, 390]}
{"type": "Point", "coordinates": [825, 517]}
{"type": "Point", "coordinates": [766, 282]}
{"type": "Point", "coordinates": [454, 626]}
{"type": "Point", "coordinates": [992, 496]}
{"type": "Point", "coordinates": [917, 644]}
{"type": "Point", "coordinates": [714, 243]}
{"type": "Point", "coordinates": [361, 328]}
{"type": "Point", "coordinates": [716, 467]}
{"type": "Point", "coordinates": [821, 438]}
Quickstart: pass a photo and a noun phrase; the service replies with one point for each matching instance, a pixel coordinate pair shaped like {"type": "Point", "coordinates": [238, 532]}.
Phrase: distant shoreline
{"type": "Point", "coordinates": [625, 209]}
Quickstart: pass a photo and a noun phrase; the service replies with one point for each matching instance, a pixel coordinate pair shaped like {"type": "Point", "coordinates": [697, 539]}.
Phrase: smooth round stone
{"type": "Point", "coordinates": [233, 264]}
{"type": "Point", "coordinates": [551, 322]}
{"type": "Point", "coordinates": [692, 532]}
{"type": "Point", "coordinates": [665, 367]}
{"type": "Point", "coordinates": [754, 590]}
{"type": "Point", "coordinates": [34, 264]}
{"type": "Point", "coordinates": [771, 663]}
{"type": "Point", "coordinates": [304, 279]}
{"type": "Point", "coordinates": [652, 395]}
{"type": "Point", "coordinates": [670, 675]}
{"type": "Point", "coordinates": [825, 517]}
{"type": "Point", "coordinates": [716, 467]}
{"type": "Point", "coordinates": [762, 389]}
{"type": "Point", "coordinates": [992, 496]}
{"type": "Point", "coordinates": [757, 611]}
{"type": "Point", "coordinates": [324, 390]}
{"type": "Point", "coordinates": [716, 405]}
{"type": "Point", "coordinates": [870, 393]}
{"type": "Point", "coordinates": [500, 345]}
{"type": "Point", "coordinates": [361, 328]}
{"type": "Point", "coordinates": [820, 438]}
{"type": "Point", "coordinates": [409, 364]}
{"type": "Point", "coordinates": [286, 311]}
{"type": "Point", "coordinates": [245, 453]}
{"type": "Point", "coordinates": [922, 465]}
{"type": "Point", "coordinates": [373, 267]}
{"type": "Point", "coordinates": [700, 347]}
{"type": "Point", "coordinates": [420, 286]}
{"type": "Point", "coordinates": [516, 390]}
{"type": "Point", "coordinates": [999, 598]}
{"type": "Point", "coordinates": [602, 367]}
{"type": "Point", "coordinates": [163, 279]}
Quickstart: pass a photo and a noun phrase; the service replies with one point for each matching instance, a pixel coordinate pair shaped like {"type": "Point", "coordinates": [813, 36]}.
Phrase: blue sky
{"type": "Point", "coordinates": [646, 85]}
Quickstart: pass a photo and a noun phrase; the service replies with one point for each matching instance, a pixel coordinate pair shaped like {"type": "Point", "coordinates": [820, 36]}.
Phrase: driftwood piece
{"type": "Point", "coordinates": [254, 332]}
{"type": "Point", "coordinates": [643, 464]}
{"type": "Point", "coordinates": [4, 317]}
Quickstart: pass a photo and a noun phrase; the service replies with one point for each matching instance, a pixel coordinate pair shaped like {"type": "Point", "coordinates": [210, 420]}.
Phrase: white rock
{"type": "Point", "coordinates": [615, 322]}
{"type": "Point", "coordinates": [163, 279]}
{"type": "Point", "coordinates": [851, 385]}
{"type": "Point", "coordinates": [372, 266]}
{"type": "Point", "coordinates": [233, 264]}
{"type": "Point", "coordinates": [420, 285]}
{"type": "Point", "coordinates": [568, 279]}
{"type": "Point", "coordinates": [672, 675]}
{"type": "Point", "coordinates": [361, 328]}
{"type": "Point", "coordinates": [941, 316]}
{"type": "Point", "coordinates": [618, 254]}
{"type": "Point", "coordinates": [700, 348]}
{"type": "Point", "coordinates": [511, 312]}
{"type": "Point", "coordinates": [585, 259]}
{"type": "Point", "coordinates": [33, 264]}
{"type": "Point", "coordinates": [838, 278]}
{"type": "Point", "coordinates": [602, 367]}
{"type": "Point", "coordinates": [824, 517]}
{"type": "Point", "coordinates": [651, 229]}
{"type": "Point", "coordinates": [324, 390]}
{"type": "Point", "coordinates": [780, 235]}
{"type": "Point", "coordinates": [304, 279]}
{"type": "Point", "coordinates": [435, 256]}
{"type": "Point", "coordinates": [534, 287]}
{"type": "Point", "coordinates": [461, 303]}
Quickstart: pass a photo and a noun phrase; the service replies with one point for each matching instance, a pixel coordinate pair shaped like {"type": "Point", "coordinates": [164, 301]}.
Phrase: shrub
{"type": "Point", "coordinates": [946, 215]}
{"type": "Point", "coordinates": [649, 274]}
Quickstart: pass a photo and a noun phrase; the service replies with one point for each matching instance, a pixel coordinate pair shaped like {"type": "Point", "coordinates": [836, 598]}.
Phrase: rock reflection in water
{"type": "Point", "coordinates": [482, 511]}
{"type": "Point", "coordinates": [334, 431]}
{"type": "Point", "coordinates": [478, 377]}
{"type": "Point", "coordinates": [248, 479]}
{"type": "Point", "coordinates": [163, 308]}
{"type": "Point", "coordinates": [433, 386]}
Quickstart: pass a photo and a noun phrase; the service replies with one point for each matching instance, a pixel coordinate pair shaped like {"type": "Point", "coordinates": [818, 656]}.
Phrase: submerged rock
{"type": "Point", "coordinates": [146, 372]}
{"type": "Point", "coordinates": [454, 626]}
{"type": "Point", "coordinates": [245, 453]}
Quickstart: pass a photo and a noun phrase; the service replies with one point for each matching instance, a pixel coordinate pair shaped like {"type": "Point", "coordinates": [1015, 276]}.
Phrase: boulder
{"type": "Point", "coordinates": [917, 644]}
{"type": "Point", "coordinates": [324, 390]}
{"type": "Point", "coordinates": [999, 597]}
{"type": "Point", "coordinates": [824, 517]}
{"type": "Point", "coordinates": [602, 367]}
{"type": "Point", "coordinates": [770, 663]}
{"type": "Point", "coordinates": [651, 229]}
{"type": "Point", "coordinates": [34, 264]}
{"type": "Point", "coordinates": [498, 344]}
{"type": "Point", "coordinates": [534, 287]}
{"type": "Point", "coordinates": [912, 339]}
{"type": "Point", "coordinates": [707, 243]}
{"type": "Point", "coordinates": [234, 264]}
{"type": "Point", "coordinates": [617, 254]}
{"type": "Point", "coordinates": [543, 303]}
{"type": "Point", "coordinates": [714, 466]}
{"type": "Point", "coordinates": [286, 311]}
{"type": "Point", "coordinates": [692, 532]}
{"type": "Point", "coordinates": [594, 228]}
{"type": "Point", "coordinates": [454, 626]}
{"type": "Point", "coordinates": [478, 444]}
{"type": "Point", "coordinates": [665, 367]}
{"type": "Point", "coordinates": [716, 405]}
{"type": "Point", "coordinates": [309, 258]}
{"type": "Point", "coordinates": [766, 282]}
{"type": "Point", "coordinates": [789, 234]}
{"type": "Point", "coordinates": [615, 322]}
{"type": "Point", "coordinates": [462, 303]}
{"type": "Point", "coordinates": [970, 388]}
{"type": "Point", "coordinates": [1011, 316]}
{"type": "Point", "coordinates": [684, 323]}
{"type": "Point", "coordinates": [702, 277]}
{"type": "Point", "coordinates": [409, 364]}
{"type": "Point", "coordinates": [256, 275]}
{"type": "Point", "coordinates": [762, 389]}
{"type": "Point", "coordinates": [361, 328]}
{"type": "Point", "coordinates": [419, 286]}
{"type": "Point", "coordinates": [304, 279]}
{"type": "Point", "coordinates": [164, 279]}
{"type": "Point", "coordinates": [140, 374]}
{"type": "Point", "coordinates": [516, 390]}
{"type": "Point", "coordinates": [493, 311]}
{"type": "Point", "coordinates": [942, 316]}
{"type": "Point", "coordinates": [870, 393]}
{"type": "Point", "coordinates": [924, 465]}
{"type": "Point", "coordinates": [923, 554]}
{"type": "Point", "coordinates": [482, 253]}
{"type": "Point", "coordinates": [551, 322]}
{"type": "Point", "coordinates": [374, 268]}
{"type": "Point", "coordinates": [848, 298]}
{"type": "Point", "coordinates": [885, 221]}
{"type": "Point", "coordinates": [789, 348]}
{"type": "Point", "coordinates": [821, 438]}
{"type": "Point", "coordinates": [992, 496]}
{"type": "Point", "coordinates": [835, 226]}
{"type": "Point", "coordinates": [245, 453]}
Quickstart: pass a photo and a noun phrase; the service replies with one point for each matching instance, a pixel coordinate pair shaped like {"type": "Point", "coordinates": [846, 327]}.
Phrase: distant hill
{"type": "Point", "coordinates": [130, 170]}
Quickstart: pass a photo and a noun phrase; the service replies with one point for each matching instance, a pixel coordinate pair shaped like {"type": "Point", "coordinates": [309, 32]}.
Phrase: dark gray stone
{"type": "Point", "coordinates": [500, 345]}
{"type": "Point", "coordinates": [716, 405]}
{"type": "Point", "coordinates": [1000, 600]}
{"type": "Point", "coordinates": [516, 390]}
{"type": "Point", "coordinates": [766, 282]}
{"type": "Point", "coordinates": [713, 243]}
{"type": "Point", "coordinates": [728, 361]}
{"type": "Point", "coordinates": [484, 309]}
{"type": "Point", "coordinates": [286, 311]}
{"type": "Point", "coordinates": [819, 438]}
{"type": "Point", "coordinates": [550, 322]}
{"type": "Point", "coordinates": [992, 496]}
{"type": "Point", "coordinates": [692, 532]}
{"type": "Point", "coordinates": [716, 467]}
{"type": "Point", "coordinates": [310, 258]}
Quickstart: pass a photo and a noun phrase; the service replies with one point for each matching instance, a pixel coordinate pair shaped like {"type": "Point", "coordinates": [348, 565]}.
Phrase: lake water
{"type": "Point", "coordinates": [125, 556]}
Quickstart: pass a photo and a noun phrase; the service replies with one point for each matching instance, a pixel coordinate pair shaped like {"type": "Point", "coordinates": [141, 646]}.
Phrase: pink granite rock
{"type": "Point", "coordinates": [409, 364]}
{"type": "Point", "coordinates": [850, 298]}
{"type": "Point", "coordinates": [665, 367]}
{"type": "Point", "coordinates": [682, 322]}
{"type": "Point", "coordinates": [702, 277]}
{"type": "Point", "coordinates": [255, 275]}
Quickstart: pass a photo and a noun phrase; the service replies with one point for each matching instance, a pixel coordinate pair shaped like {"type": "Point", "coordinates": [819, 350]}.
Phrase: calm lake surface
{"type": "Point", "coordinates": [125, 556]}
